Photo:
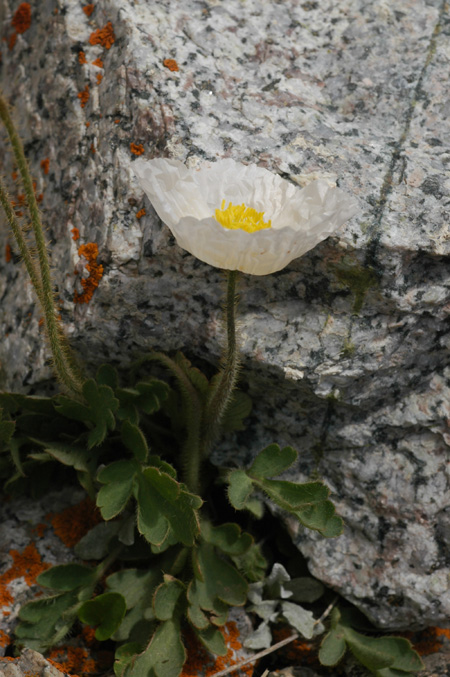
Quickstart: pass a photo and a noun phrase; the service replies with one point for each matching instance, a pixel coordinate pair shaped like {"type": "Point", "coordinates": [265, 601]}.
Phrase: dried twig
{"type": "Point", "coordinates": [274, 647]}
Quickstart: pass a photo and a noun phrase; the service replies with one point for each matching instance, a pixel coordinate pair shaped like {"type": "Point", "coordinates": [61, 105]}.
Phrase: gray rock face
{"type": "Point", "coordinates": [346, 349]}
{"type": "Point", "coordinates": [29, 663]}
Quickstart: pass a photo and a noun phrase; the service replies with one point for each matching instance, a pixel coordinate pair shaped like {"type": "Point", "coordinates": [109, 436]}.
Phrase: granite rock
{"type": "Point", "coordinates": [29, 663]}
{"type": "Point", "coordinates": [345, 350]}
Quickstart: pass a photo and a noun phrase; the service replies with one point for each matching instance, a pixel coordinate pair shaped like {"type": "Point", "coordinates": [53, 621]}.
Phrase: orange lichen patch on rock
{"type": "Point", "coordinates": [8, 252]}
{"type": "Point", "coordinates": [14, 176]}
{"type": "Point", "coordinates": [84, 96]}
{"type": "Point", "coordinates": [75, 234]}
{"type": "Point", "coordinates": [116, 122]}
{"type": "Point", "coordinates": [298, 651]}
{"type": "Point", "coordinates": [88, 124]}
{"type": "Point", "coordinates": [74, 522]}
{"type": "Point", "coordinates": [28, 564]}
{"type": "Point", "coordinates": [199, 661]}
{"type": "Point", "coordinates": [45, 165]}
{"type": "Point", "coordinates": [89, 284]}
{"type": "Point", "coordinates": [40, 528]}
{"type": "Point", "coordinates": [98, 62]}
{"type": "Point", "coordinates": [4, 638]}
{"type": "Point", "coordinates": [171, 64]}
{"type": "Point", "coordinates": [82, 57]}
{"type": "Point", "coordinates": [140, 213]}
{"type": "Point", "coordinates": [21, 20]}
{"type": "Point", "coordinates": [88, 635]}
{"type": "Point", "coordinates": [99, 78]}
{"type": "Point", "coordinates": [12, 41]}
{"type": "Point", "coordinates": [72, 660]}
{"type": "Point", "coordinates": [88, 9]}
{"type": "Point", "coordinates": [137, 148]}
{"type": "Point", "coordinates": [427, 641]}
{"type": "Point", "coordinates": [103, 36]}
{"type": "Point", "coordinates": [93, 148]}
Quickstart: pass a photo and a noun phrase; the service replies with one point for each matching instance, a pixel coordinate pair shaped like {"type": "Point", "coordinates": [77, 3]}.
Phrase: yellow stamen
{"type": "Point", "coordinates": [241, 216]}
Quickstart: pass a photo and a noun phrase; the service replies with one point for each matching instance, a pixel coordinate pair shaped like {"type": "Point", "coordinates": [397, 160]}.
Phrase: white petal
{"type": "Point", "coordinates": [186, 200]}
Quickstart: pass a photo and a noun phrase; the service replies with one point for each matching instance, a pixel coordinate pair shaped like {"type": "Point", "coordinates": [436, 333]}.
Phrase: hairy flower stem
{"type": "Point", "coordinates": [64, 363]}
{"type": "Point", "coordinates": [225, 380]}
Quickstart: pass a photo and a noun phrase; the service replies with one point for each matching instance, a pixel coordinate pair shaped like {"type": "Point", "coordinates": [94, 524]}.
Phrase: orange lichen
{"type": "Point", "coordinates": [171, 64]}
{"type": "Point", "coordinates": [4, 638]}
{"type": "Point", "coordinates": [82, 57]}
{"type": "Point", "coordinates": [137, 148]}
{"type": "Point", "coordinates": [92, 148]}
{"type": "Point", "coordinates": [116, 121]}
{"type": "Point", "coordinates": [71, 659]}
{"type": "Point", "coordinates": [8, 252]}
{"type": "Point", "coordinates": [199, 661]}
{"type": "Point", "coordinates": [21, 20]}
{"type": "Point", "coordinates": [103, 36]}
{"type": "Point", "coordinates": [88, 635]}
{"type": "Point", "coordinates": [140, 213]}
{"type": "Point", "coordinates": [98, 62]}
{"type": "Point", "coordinates": [99, 78]}
{"type": "Point", "coordinates": [428, 641]}
{"type": "Point", "coordinates": [45, 165]}
{"type": "Point", "coordinates": [26, 564]}
{"type": "Point", "coordinates": [298, 651]}
{"type": "Point", "coordinates": [88, 9]}
{"type": "Point", "coordinates": [88, 124]}
{"type": "Point", "coordinates": [14, 176]}
{"type": "Point", "coordinates": [40, 528]}
{"type": "Point", "coordinates": [84, 96]}
{"type": "Point", "coordinates": [75, 234]}
{"type": "Point", "coordinates": [74, 522]}
{"type": "Point", "coordinates": [12, 41]}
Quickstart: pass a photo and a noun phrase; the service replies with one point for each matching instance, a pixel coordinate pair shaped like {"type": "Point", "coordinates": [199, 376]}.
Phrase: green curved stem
{"type": "Point", "coordinates": [225, 381]}
{"type": "Point", "coordinates": [64, 362]}
{"type": "Point", "coordinates": [190, 453]}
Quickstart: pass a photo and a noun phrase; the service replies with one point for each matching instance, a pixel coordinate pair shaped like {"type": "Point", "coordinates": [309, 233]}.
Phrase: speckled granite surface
{"type": "Point", "coordinates": [346, 350]}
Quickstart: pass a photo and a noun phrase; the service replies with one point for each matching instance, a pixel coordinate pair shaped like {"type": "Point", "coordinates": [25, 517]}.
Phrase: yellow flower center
{"type": "Point", "coordinates": [241, 216]}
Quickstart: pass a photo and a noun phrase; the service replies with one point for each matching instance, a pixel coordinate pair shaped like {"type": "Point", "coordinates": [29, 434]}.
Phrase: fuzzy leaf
{"type": "Point", "coordinates": [240, 487]}
{"type": "Point", "coordinates": [272, 461]}
{"type": "Point", "coordinates": [131, 583]}
{"type": "Point", "coordinates": [377, 653]}
{"type": "Point", "coordinates": [42, 619]}
{"type": "Point", "coordinates": [95, 544]}
{"type": "Point", "coordinates": [201, 598]}
{"type": "Point", "coordinates": [222, 579]}
{"type": "Point", "coordinates": [301, 619]}
{"type": "Point", "coordinates": [152, 394]}
{"type": "Point", "coordinates": [67, 576]}
{"type": "Point", "coordinates": [305, 589]}
{"type": "Point", "coordinates": [67, 454]}
{"type": "Point", "coordinates": [333, 648]}
{"type": "Point", "coordinates": [322, 518]}
{"type": "Point", "coordinates": [105, 611]}
{"type": "Point", "coordinates": [166, 598]}
{"type": "Point", "coordinates": [253, 564]}
{"type": "Point", "coordinates": [164, 657]}
{"type": "Point", "coordinates": [14, 449]}
{"type": "Point", "coordinates": [163, 502]}
{"type": "Point", "coordinates": [196, 377]}
{"type": "Point", "coordinates": [6, 431]}
{"type": "Point", "coordinates": [123, 656]}
{"type": "Point", "coordinates": [213, 640]}
{"type": "Point", "coordinates": [261, 638]}
{"type": "Point", "coordinates": [118, 478]}
{"type": "Point", "coordinates": [134, 440]}
{"type": "Point", "coordinates": [107, 376]}
{"type": "Point", "coordinates": [237, 410]}
{"type": "Point", "coordinates": [227, 537]}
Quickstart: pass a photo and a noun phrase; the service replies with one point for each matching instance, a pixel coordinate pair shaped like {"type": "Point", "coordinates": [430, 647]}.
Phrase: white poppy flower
{"type": "Point", "coordinates": [241, 217]}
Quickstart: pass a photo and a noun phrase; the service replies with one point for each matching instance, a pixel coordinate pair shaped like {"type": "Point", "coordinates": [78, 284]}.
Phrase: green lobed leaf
{"type": "Point", "coordinates": [95, 544]}
{"type": "Point", "coordinates": [118, 478]}
{"type": "Point", "coordinates": [196, 377]}
{"type": "Point", "coordinates": [166, 597]}
{"type": "Point", "coordinates": [240, 487]}
{"type": "Point", "coordinates": [160, 496]}
{"type": "Point", "coordinates": [131, 584]}
{"type": "Point", "coordinates": [102, 405]}
{"type": "Point", "coordinates": [67, 454]}
{"type": "Point", "coordinates": [332, 648]}
{"type": "Point", "coordinates": [14, 449]}
{"type": "Point", "coordinates": [222, 579]}
{"type": "Point", "coordinates": [107, 376]}
{"type": "Point", "coordinates": [272, 461]}
{"type": "Point", "coordinates": [304, 589]}
{"type": "Point", "coordinates": [6, 431]}
{"type": "Point", "coordinates": [227, 537]}
{"type": "Point", "coordinates": [106, 612]}
{"type": "Point", "coordinates": [134, 440]}
{"type": "Point", "coordinates": [253, 564]}
{"type": "Point", "coordinates": [67, 576]}
{"type": "Point", "coordinates": [377, 653]}
{"type": "Point", "coordinates": [43, 619]}
{"type": "Point", "coordinates": [213, 640]}
{"type": "Point", "coordinates": [200, 599]}
{"type": "Point", "coordinates": [152, 394]}
{"type": "Point", "coordinates": [151, 522]}
{"type": "Point", "coordinates": [322, 518]}
{"type": "Point", "coordinates": [123, 656]}
{"type": "Point", "coordinates": [164, 656]}
{"type": "Point", "coordinates": [292, 496]}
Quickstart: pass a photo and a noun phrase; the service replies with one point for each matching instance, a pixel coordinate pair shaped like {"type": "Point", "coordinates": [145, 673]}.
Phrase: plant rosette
{"type": "Point", "coordinates": [242, 217]}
